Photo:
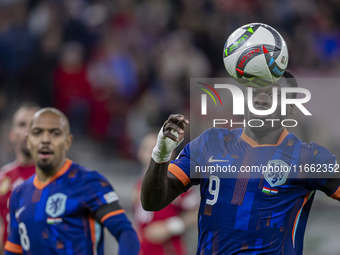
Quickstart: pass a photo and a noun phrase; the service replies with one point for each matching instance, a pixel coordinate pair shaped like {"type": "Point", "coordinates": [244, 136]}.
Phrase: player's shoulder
{"type": "Point", "coordinates": [84, 175]}
{"type": "Point", "coordinates": [10, 166]}
{"type": "Point", "coordinates": [21, 189]}
{"type": "Point", "coordinates": [320, 152]}
{"type": "Point", "coordinates": [225, 132]}
{"type": "Point", "coordinates": [8, 176]}
{"type": "Point", "coordinates": [7, 169]}
{"type": "Point", "coordinates": [315, 150]}
{"type": "Point", "coordinates": [213, 137]}
{"type": "Point", "coordinates": [215, 133]}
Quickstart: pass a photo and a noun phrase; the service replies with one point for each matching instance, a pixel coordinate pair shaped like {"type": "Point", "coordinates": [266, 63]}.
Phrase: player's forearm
{"type": "Point", "coordinates": [154, 190]}
{"type": "Point", "coordinates": [128, 243]}
{"type": "Point", "coordinates": [120, 227]}
{"type": "Point", "coordinates": [158, 190]}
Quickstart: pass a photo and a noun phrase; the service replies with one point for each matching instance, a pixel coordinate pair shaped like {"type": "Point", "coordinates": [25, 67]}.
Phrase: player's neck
{"type": "Point", "coordinates": [22, 159]}
{"type": "Point", "coordinates": [45, 176]}
{"type": "Point", "coordinates": [269, 138]}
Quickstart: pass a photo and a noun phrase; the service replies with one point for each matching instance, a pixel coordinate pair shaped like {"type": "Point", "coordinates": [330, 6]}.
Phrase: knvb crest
{"type": "Point", "coordinates": [277, 172]}
{"type": "Point", "coordinates": [56, 204]}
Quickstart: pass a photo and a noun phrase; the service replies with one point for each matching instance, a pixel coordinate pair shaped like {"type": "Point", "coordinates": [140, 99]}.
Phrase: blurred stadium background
{"type": "Point", "coordinates": [119, 68]}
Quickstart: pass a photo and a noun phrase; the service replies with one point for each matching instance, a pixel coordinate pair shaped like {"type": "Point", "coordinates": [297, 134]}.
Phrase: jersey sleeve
{"type": "Point", "coordinates": [330, 184]}
{"type": "Point", "coordinates": [12, 244]}
{"type": "Point", "coordinates": [102, 201]}
{"type": "Point", "coordinates": [120, 227]}
{"type": "Point", "coordinates": [188, 159]}
{"type": "Point", "coordinates": [100, 198]}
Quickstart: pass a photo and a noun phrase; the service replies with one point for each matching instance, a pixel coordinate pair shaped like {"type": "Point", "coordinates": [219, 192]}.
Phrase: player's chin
{"type": "Point", "coordinates": [45, 166]}
{"type": "Point", "coordinates": [264, 129]}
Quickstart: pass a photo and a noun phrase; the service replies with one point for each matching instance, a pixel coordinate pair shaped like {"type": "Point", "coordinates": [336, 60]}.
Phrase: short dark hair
{"type": "Point", "coordinates": [291, 81]}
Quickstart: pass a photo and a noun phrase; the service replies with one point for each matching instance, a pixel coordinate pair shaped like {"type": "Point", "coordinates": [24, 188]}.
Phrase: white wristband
{"type": "Point", "coordinates": [175, 225]}
{"type": "Point", "coordinates": [164, 147]}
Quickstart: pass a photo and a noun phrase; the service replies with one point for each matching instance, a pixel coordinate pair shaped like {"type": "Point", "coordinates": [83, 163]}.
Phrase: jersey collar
{"type": "Point", "coordinates": [61, 171]}
{"type": "Point", "coordinates": [254, 144]}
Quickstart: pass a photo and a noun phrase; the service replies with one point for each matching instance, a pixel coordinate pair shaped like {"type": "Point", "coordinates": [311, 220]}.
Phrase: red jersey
{"type": "Point", "coordinates": [174, 245]}
{"type": "Point", "coordinates": [11, 176]}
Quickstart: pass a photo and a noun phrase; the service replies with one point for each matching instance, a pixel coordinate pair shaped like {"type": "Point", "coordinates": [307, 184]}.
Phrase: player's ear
{"type": "Point", "coordinates": [69, 140]}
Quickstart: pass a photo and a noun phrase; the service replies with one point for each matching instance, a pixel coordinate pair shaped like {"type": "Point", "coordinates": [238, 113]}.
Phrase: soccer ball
{"type": "Point", "coordinates": [255, 55]}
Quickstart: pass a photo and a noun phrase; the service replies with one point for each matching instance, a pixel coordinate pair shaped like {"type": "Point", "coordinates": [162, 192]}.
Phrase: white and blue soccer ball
{"type": "Point", "coordinates": [255, 55]}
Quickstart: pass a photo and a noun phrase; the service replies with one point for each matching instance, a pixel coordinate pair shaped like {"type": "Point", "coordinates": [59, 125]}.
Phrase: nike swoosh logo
{"type": "Point", "coordinates": [211, 160]}
{"type": "Point", "coordinates": [17, 214]}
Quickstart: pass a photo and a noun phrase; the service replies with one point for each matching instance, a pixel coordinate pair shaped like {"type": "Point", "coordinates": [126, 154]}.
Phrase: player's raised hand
{"type": "Point", "coordinates": [169, 137]}
{"type": "Point", "coordinates": [173, 128]}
